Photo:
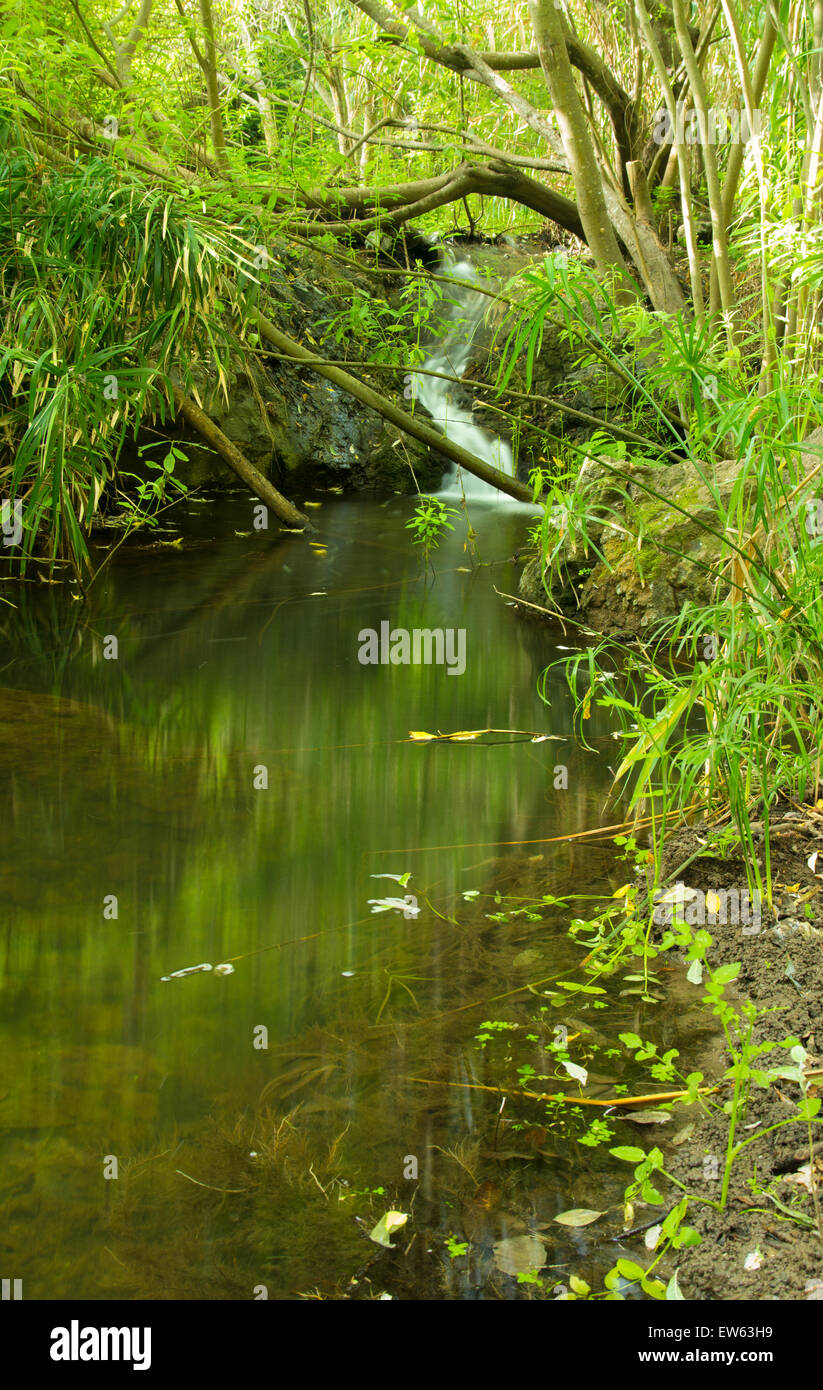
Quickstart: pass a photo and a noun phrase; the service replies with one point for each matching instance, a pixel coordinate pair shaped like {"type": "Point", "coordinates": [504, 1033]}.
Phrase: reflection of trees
{"type": "Point", "coordinates": [228, 664]}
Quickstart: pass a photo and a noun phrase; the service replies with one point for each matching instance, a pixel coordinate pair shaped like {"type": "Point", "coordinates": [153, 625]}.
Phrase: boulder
{"type": "Point", "coordinates": [664, 547]}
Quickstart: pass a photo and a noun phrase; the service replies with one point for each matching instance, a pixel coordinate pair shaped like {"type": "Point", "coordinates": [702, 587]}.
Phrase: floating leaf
{"type": "Point", "coordinates": [189, 970]}
{"type": "Point", "coordinates": [649, 1117]}
{"type": "Point", "coordinates": [578, 1216]}
{"type": "Point", "coordinates": [526, 958]}
{"type": "Point", "coordinates": [519, 1255]}
{"type": "Point", "coordinates": [386, 1226]}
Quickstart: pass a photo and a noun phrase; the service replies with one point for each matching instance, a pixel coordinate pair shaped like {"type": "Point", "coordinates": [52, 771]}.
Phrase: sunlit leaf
{"type": "Point", "coordinates": [578, 1216]}
{"type": "Point", "coordinates": [386, 1226]}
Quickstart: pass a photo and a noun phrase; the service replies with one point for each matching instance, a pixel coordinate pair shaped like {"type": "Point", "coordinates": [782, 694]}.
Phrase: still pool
{"type": "Point", "coordinates": [199, 768]}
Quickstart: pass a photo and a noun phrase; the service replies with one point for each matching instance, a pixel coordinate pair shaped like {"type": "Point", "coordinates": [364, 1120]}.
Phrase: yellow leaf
{"type": "Point", "coordinates": [712, 902]}
{"type": "Point", "coordinates": [312, 504]}
{"type": "Point", "coordinates": [421, 738]}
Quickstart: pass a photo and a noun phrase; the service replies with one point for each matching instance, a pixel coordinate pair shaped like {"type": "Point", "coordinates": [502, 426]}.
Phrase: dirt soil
{"type": "Point", "coordinates": [781, 971]}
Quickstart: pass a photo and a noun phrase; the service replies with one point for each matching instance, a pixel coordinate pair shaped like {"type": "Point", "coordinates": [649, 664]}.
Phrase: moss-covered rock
{"type": "Point", "coordinates": [665, 547]}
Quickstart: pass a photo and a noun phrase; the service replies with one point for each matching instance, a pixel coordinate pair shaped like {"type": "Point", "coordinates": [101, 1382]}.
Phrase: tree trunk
{"type": "Point", "coordinates": [577, 142]}
{"type": "Point", "coordinates": [260, 486]}
{"type": "Point", "coordinates": [218, 138]}
{"type": "Point", "coordinates": [410, 424]}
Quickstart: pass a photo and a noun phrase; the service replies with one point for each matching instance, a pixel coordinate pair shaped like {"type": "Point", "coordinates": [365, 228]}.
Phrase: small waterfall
{"type": "Point", "coordinates": [450, 353]}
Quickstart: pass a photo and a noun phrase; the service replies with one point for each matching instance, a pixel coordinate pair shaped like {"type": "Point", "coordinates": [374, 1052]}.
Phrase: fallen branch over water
{"type": "Point", "coordinates": [409, 424]}
{"type": "Point", "coordinates": [251, 476]}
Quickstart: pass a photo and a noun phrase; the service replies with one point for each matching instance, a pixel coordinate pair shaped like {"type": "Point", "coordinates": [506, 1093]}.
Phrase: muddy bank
{"type": "Point", "coordinates": [769, 1221]}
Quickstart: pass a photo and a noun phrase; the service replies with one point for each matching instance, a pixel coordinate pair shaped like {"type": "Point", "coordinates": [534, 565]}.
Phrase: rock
{"type": "Point", "coordinates": [295, 426]}
{"type": "Point", "coordinates": [640, 586]}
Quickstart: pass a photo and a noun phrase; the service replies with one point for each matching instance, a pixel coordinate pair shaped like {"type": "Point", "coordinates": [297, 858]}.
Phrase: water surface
{"type": "Point", "coordinates": [252, 1115]}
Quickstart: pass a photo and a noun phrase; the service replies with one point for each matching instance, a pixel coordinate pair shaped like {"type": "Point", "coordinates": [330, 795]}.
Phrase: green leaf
{"type": "Point", "coordinates": [724, 974]}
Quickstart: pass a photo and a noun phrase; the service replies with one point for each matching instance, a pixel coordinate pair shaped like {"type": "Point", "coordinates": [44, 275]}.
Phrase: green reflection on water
{"type": "Point", "coordinates": [135, 777]}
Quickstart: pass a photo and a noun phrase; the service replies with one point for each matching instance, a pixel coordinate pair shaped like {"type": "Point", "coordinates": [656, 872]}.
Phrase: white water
{"type": "Point", "coordinates": [450, 353]}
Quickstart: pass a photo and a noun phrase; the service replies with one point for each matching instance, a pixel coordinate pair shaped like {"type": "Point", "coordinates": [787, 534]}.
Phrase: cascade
{"type": "Point", "coordinates": [450, 352]}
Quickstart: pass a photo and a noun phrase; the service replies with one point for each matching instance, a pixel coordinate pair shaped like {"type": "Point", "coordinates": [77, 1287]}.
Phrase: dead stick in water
{"type": "Point", "coordinates": [563, 1099]}
{"type": "Point", "coordinates": [251, 476]}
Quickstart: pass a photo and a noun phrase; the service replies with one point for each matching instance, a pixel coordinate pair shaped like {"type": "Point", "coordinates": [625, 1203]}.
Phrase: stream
{"type": "Point", "coordinates": [229, 784]}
